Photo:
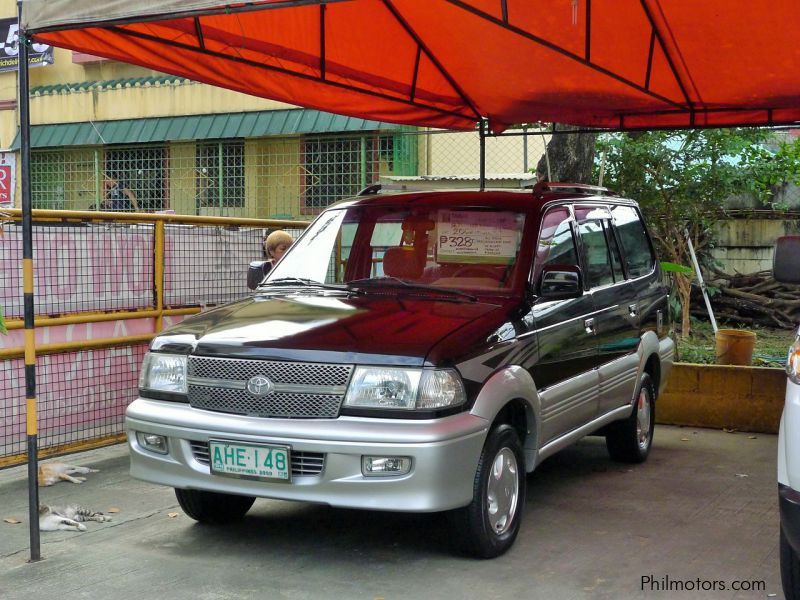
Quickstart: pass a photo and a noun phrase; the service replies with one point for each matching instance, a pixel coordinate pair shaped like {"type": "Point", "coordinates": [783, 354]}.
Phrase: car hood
{"type": "Point", "coordinates": [369, 329]}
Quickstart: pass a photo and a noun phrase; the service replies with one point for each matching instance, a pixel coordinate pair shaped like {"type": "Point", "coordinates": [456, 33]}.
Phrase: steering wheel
{"type": "Point", "coordinates": [476, 271]}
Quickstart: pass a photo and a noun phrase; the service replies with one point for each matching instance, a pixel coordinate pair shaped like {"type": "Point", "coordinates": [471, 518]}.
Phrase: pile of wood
{"type": "Point", "coordinates": [754, 299]}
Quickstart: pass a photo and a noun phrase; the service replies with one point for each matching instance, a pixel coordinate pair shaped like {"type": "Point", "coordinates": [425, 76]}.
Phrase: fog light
{"type": "Point", "coordinates": [385, 466]}
{"type": "Point", "coordinates": [153, 442]}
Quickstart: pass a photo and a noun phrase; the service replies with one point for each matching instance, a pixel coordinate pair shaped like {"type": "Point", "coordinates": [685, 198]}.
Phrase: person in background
{"type": "Point", "coordinates": [117, 197]}
{"type": "Point", "coordinates": [275, 246]}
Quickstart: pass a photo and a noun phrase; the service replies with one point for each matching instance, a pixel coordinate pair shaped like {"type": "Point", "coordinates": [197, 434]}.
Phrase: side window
{"type": "Point", "coordinates": [556, 245]}
{"type": "Point", "coordinates": [635, 245]}
{"type": "Point", "coordinates": [596, 259]}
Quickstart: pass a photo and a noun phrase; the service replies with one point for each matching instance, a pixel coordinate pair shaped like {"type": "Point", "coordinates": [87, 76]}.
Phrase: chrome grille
{"type": "Point", "coordinates": [299, 390]}
{"type": "Point", "coordinates": [277, 371]}
{"type": "Point", "coordinates": [303, 463]}
{"type": "Point", "coordinates": [284, 405]}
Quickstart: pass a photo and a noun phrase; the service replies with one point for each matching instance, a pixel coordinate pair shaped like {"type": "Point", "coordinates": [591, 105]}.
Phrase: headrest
{"type": "Point", "coordinates": [403, 262]}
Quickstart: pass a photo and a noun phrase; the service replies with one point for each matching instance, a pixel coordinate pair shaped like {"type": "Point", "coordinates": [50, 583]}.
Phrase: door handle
{"type": "Point", "coordinates": [633, 310]}
{"type": "Point", "coordinates": [589, 326]}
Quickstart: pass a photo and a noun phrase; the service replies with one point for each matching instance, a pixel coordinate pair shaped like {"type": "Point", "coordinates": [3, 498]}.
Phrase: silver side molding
{"type": "Point", "coordinates": [573, 436]}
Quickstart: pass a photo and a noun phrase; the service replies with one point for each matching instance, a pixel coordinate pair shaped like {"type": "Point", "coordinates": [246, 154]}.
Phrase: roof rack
{"type": "Point", "coordinates": [541, 188]}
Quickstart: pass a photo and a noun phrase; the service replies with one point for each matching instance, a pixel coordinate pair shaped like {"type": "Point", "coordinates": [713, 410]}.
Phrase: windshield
{"type": "Point", "coordinates": [452, 248]}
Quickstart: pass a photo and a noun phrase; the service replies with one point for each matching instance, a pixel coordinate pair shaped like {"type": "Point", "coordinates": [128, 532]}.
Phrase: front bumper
{"type": "Point", "coordinates": [444, 455]}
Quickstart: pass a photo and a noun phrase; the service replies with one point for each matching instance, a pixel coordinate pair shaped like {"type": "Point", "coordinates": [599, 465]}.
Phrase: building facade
{"type": "Point", "coordinates": [187, 147]}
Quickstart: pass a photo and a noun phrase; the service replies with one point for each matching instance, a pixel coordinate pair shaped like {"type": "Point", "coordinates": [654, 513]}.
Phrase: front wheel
{"type": "Point", "coordinates": [488, 526]}
{"type": "Point", "coordinates": [630, 440]}
{"type": "Point", "coordinates": [213, 508]}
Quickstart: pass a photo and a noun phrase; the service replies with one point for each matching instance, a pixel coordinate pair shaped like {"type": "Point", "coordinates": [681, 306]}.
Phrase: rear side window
{"type": "Point", "coordinates": [635, 244]}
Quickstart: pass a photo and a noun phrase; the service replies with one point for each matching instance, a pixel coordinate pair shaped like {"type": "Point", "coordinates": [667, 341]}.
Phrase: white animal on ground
{"type": "Point", "coordinates": [70, 518]}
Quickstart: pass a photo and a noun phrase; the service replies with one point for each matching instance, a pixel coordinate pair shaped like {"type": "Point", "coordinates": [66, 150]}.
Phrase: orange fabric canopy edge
{"type": "Point", "coordinates": [615, 64]}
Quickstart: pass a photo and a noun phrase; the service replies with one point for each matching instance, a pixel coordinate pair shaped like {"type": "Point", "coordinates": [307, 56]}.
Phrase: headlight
{"type": "Point", "coordinates": [793, 362]}
{"type": "Point", "coordinates": [163, 373]}
{"type": "Point", "coordinates": [404, 389]}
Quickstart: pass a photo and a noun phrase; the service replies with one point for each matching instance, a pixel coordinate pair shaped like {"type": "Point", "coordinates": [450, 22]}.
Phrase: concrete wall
{"type": "Point", "coordinates": [746, 245]}
{"type": "Point", "coordinates": [723, 397]}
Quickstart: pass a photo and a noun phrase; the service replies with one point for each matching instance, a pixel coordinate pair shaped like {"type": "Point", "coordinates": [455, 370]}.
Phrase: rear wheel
{"type": "Point", "coordinates": [213, 508]}
{"type": "Point", "coordinates": [630, 440]}
{"type": "Point", "coordinates": [790, 570]}
{"type": "Point", "coordinates": [488, 526]}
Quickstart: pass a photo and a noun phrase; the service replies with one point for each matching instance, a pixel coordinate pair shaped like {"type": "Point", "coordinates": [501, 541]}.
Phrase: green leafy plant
{"type": "Point", "coordinates": [3, 329]}
{"type": "Point", "coordinates": [681, 178]}
{"type": "Point", "coordinates": [669, 267]}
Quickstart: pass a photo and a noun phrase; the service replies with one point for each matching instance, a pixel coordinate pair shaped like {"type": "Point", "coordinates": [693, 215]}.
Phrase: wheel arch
{"type": "Point", "coordinates": [509, 396]}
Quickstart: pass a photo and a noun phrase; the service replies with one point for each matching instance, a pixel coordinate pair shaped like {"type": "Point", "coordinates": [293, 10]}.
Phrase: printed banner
{"type": "Point", "coordinates": [110, 267]}
{"type": "Point", "coordinates": [80, 395]}
{"type": "Point", "coordinates": [39, 55]}
{"type": "Point", "coordinates": [8, 176]}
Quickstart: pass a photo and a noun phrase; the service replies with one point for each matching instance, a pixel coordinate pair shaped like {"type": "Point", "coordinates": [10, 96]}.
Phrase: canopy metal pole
{"type": "Point", "coordinates": [27, 278]}
{"type": "Point", "coordinates": [482, 134]}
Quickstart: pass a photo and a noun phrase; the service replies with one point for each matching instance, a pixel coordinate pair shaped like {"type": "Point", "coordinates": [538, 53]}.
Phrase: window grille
{"type": "Point", "coordinates": [143, 170]}
{"type": "Point", "coordinates": [47, 180]}
{"type": "Point", "coordinates": [338, 167]}
{"type": "Point", "coordinates": [220, 174]}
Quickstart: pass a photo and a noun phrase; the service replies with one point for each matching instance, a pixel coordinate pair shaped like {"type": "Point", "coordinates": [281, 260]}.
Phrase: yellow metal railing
{"type": "Point", "coordinates": [79, 406]}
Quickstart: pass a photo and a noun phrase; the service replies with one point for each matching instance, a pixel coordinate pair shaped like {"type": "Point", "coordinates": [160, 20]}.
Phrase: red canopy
{"type": "Point", "coordinates": [620, 64]}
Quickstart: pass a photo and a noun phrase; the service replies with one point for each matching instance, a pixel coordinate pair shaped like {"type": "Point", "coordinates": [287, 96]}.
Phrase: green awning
{"type": "Point", "coordinates": [296, 121]}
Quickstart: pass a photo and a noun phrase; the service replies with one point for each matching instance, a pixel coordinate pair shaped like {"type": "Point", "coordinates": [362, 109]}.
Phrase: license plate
{"type": "Point", "coordinates": [250, 461]}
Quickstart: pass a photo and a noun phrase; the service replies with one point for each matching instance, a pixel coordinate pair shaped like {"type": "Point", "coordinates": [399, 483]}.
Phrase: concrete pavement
{"type": "Point", "coordinates": [701, 513]}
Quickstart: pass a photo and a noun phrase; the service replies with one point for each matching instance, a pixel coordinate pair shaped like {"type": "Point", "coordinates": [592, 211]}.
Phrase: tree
{"type": "Point", "coordinates": [571, 157]}
{"type": "Point", "coordinates": [680, 179]}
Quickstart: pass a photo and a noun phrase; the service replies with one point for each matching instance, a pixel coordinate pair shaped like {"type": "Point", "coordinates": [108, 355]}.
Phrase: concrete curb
{"type": "Point", "coordinates": [723, 397]}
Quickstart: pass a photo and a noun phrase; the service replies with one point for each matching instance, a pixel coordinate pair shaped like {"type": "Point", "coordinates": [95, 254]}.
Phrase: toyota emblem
{"type": "Point", "coordinates": [259, 385]}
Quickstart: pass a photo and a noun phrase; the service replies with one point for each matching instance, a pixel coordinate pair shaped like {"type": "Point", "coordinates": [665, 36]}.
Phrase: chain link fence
{"type": "Point", "coordinates": [104, 286]}
{"type": "Point", "coordinates": [272, 177]}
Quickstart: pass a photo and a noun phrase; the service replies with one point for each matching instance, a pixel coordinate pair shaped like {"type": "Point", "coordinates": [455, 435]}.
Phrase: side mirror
{"type": "Point", "coordinates": [256, 272]}
{"type": "Point", "coordinates": [560, 282]}
{"type": "Point", "coordinates": [786, 263]}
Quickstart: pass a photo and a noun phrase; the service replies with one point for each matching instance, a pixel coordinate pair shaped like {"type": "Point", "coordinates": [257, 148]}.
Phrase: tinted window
{"type": "Point", "coordinates": [635, 244]}
{"type": "Point", "coordinates": [556, 246]}
{"type": "Point", "coordinates": [596, 261]}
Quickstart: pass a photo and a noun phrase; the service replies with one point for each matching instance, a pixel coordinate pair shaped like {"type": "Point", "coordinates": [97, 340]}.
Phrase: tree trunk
{"type": "Point", "coordinates": [684, 285]}
{"type": "Point", "coordinates": [571, 157]}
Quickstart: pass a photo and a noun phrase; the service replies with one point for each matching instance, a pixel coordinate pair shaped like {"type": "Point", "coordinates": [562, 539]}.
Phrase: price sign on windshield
{"type": "Point", "coordinates": [473, 237]}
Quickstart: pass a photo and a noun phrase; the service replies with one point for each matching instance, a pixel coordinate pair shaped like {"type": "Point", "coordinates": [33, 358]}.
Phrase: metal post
{"type": "Point", "coordinates": [158, 272]}
{"type": "Point", "coordinates": [524, 148]}
{"type": "Point", "coordinates": [98, 200]}
{"type": "Point", "coordinates": [482, 134]}
{"type": "Point", "coordinates": [363, 173]}
{"type": "Point", "coordinates": [27, 278]}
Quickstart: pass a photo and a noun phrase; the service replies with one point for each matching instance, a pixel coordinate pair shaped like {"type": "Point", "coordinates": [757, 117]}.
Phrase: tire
{"type": "Point", "coordinates": [630, 440]}
{"type": "Point", "coordinates": [486, 528]}
{"type": "Point", "coordinates": [213, 508]}
{"type": "Point", "coordinates": [790, 570]}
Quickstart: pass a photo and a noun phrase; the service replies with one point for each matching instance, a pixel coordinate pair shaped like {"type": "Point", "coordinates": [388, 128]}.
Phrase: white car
{"type": "Point", "coordinates": [787, 270]}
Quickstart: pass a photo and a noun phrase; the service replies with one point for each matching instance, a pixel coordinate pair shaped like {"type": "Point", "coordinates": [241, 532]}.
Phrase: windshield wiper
{"type": "Point", "coordinates": [302, 281]}
{"type": "Point", "coordinates": [395, 281]}
{"type": "Point", "coordinates": [292, 281]}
